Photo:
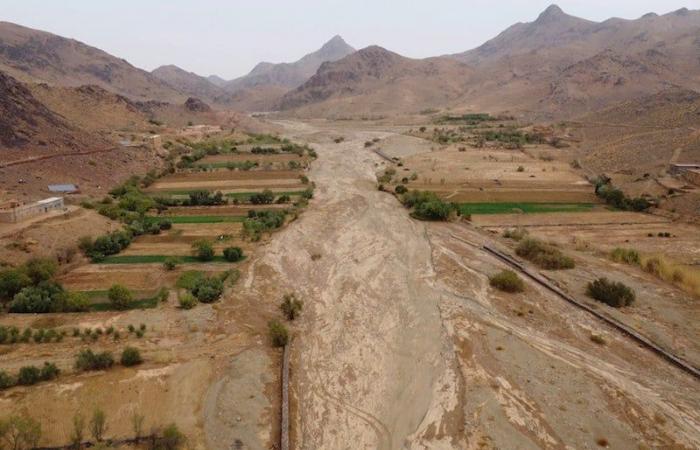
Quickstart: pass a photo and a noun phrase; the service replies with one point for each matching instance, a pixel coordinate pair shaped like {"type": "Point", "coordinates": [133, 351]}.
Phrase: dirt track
{"type": "Point", "coordinates": [404, 345]}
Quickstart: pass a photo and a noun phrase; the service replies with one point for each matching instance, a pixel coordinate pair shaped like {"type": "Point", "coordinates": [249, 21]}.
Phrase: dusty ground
{"type": "Point", "coordinates": [401, 344]}
{"type": "Point", "coordinates": [404, 344]}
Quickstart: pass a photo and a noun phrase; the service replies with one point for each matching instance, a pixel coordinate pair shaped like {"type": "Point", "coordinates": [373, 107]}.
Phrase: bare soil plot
{"type": "Point", "coordinates": [605, 231]}
{"type": "Point", "coordinates": [259, 158]}
{"type": "Point", "coordinates": [229, 175]}
{"type": "Point", "coordinates": [494, 175]}
{"type": "Point", "coordinates": [223, 185]}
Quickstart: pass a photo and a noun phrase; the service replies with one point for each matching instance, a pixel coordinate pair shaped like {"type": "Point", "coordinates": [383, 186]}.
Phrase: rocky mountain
{"type": "Point", "coordinates": [291, 75]}
{"type": "Point", "coordinates": [557, 65]}
{"type": "Point", "coordinates": [192, 84]}
{"type": "Point", "coordinates": [25, 122]}
{"type": "Point", "coordinates": [216, 80]}
{"type": "Point", "coordinates": [38, 56]}
{"type": "Point", "coordinates": [376, 81]}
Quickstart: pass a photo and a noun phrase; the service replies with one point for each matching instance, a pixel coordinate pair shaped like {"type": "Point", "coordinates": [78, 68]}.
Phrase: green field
{"type": "Point", "coordinates": [527, 208]}
{"type": "Point", "coordinates": [155, 259]}
{"type": "Point", "coordinates": [197, 219]}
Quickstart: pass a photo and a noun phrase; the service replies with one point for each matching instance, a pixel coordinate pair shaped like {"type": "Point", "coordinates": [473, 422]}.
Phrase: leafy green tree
{"type": "Point", "coordinates": [233, 254]}
{"type": "Point", "coordinates": [41, 269]}
{"type": "Point", "coordinates": [208, 290]}
{"type": "Point", "coordinates": [12, 281]}
{"type": "Point", "coordinates": [45, 297]}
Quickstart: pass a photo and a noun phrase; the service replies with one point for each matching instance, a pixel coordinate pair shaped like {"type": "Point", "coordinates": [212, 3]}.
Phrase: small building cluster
{"type": "Point", "coordinates": [14, 211]}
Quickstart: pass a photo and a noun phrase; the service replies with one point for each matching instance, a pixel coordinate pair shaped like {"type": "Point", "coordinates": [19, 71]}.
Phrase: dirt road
{"type": "Point", "coordinates": [404, 345]}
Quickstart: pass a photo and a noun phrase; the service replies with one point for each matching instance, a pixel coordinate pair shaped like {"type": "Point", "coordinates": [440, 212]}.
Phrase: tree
{"type": "Point", "coordinates": [291, 306]}
{"type": "Point", "coordinates": [20, 432]}
{"type": "Point", "coordinates": [28, 375]}
{"type": "Point", "coordinates": [203, 250]}
{"type": "Point", "coordinates": [78, 433]}
{"type": "Point", "coordinates": [41, 269]}
{"type": "Point", "coordinates": [131, 357]}
{"type": "Point", "coordinates": [233, 254]}
{"type": "Point", "coordinates": [120, 296]}
{"type": "Point", "coordinates": [137, 425]}
{"type": "Point", "coordinates": [45, 297]}
{"type": "Point", "coordinates": [278, 333]}
{"type": "Point", "coordinates": [172, 438]}
{"type": "Point", "coordinates": [98, 424]}
{"type": "Point", "coordinates": [171, 263]}
{"type": "Point", "coordinates": [208, 290]}
{"type": "Point", "coordinates": [11, 282]}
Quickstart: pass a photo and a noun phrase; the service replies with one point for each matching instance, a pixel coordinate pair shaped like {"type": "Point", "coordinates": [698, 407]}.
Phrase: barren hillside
{"type": "Point", "coordinates": [557, 66]}
{"type": "Point", "coordinates": [375, 81]}
{"type": "Point", "coordinates": [33, 55]}
{"type": "Point", "coordinates": [192, 84]}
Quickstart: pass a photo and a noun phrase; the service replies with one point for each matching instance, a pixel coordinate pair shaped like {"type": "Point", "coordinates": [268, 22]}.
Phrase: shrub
{"type": "Point", "coordinates": [265, 197]}
{"type": "Point", "coordinates": [119, 296]}
{"type": "Point", "coordinates": [77, 302]}
{"type": "Point", "coordinates": [544, 255]}
{"type": "Point", "coordinates": [208, 289]}
{"type": "Point", "coordinates": [427, 206]}
{"type": "Point", "coordinates": [49, 372]}
{"type": "Point", "coordinates": [6, 380]}
{"type": "Point", "coordinates": [203, 250]}
{"type": "Point", "coordinates": [612, 293]}
{"type": "Point", "coordinates": [400, 189]}
{"type": "Point", "coordinates": [507, 281]}
{"type": "Point", "coordinates": [98, 425]}
{"type": "Point", "coordinates": [517, 234]}
{"type": "Point", "coordinates": [521, 169]}
{"type": "Point", "coordinates": [171, 263]}
{"type": "Point", "coordinates": [278, 334]}
{"type": "Point", "coordinates": [131, 357]}
{"type": "Point", "coordinates": [41, 269]}
{"type": "Point", "coordinates": [12, 281]}
{"type": "Point", "coordinates": [88, 360]}
{"type": "Point", "coordinates": [172, 438]}
{"type": "Point", "coordinates": [45, 297]}
{"type": "Point", "coordinates": [165, 224]}
{"type": "Point", "coordinates": [20, 432]}
{"type": "Point", "coordinates": [233, 254]}
{"type": "Point", "coordinates": [28, 375]}
{"type": "Point", "coordinates": [187, 301]}
{"type": "Point", "coordinates": [627, 256]}
{"type": "Point", "coordinates": [291, 306]}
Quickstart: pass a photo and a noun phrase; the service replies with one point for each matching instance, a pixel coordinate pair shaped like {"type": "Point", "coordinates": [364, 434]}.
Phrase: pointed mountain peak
{"type": "Point", "coordinates": [336, 45]}
{"type": "Point", "coordinates": [552, 13]}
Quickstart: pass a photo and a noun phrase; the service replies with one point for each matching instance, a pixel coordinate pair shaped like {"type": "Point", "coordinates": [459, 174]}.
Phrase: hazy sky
{"type": "Point", "coordinates": [228, 38]}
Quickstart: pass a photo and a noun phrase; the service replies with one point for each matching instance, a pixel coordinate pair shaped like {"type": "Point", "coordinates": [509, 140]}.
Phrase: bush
{"type": "Point", "coordinates": [612, 293]}
{"type": "Point", "coordinates": [88, 360]}
{"type": "Point", "coordinates": [427, 206]}
{"type": "Point", "coordinates": [278, 334]}
{"type": "Point", "coordinates": [265, 197]}
{"type": "Point", "coordinates": [28, 375]}
{"type": "Point", "coordinates": [49, 372]}
{"type": "Point", "coordinates": [131, 357]}
{"type": "Point", "coordinates": [119, 296]}
{"type": "Point", "coordinates": [171, 263]}
{"type": "Point", "coordinates": [517, 234]}
{"type": "Point", "coordinates": [507, 281]}
{"type": "Point", "coordinates": [233, 254]}
{"type": "Point", "coordinates": [627, 256]}
{"type": "Point", "coordinates": [46, 297]}
{"type": "Point", "coordinates": [208, 289]}
{"type": "Point", "coordinates": [203, 250]}
{"type": "Point", "coordinates": [544, 255]}
{"type": "Point", "coordinates": [77, 302]}
{"type": "Point", "coordinates": [291, 306]}
{"type": "Point", "coordinates": [6, 380]}
{"type": "Point", "coordinates": [41, 269]}
{"type": "Point", "coordinates": [172, 438]}
{"type": "Point", "coordinates": [187, 301]}
{"type": "Point", "coordinates": [400, 189]}
{"type": "Point", "coordinates": [12, 281]}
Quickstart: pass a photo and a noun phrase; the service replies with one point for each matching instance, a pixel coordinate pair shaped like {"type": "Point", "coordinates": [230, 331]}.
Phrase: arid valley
{"type": "Point", "coordinates": [495, 249]}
